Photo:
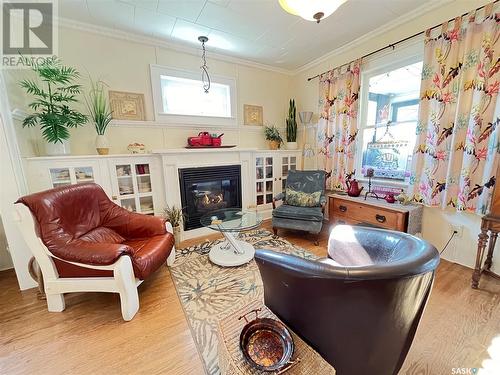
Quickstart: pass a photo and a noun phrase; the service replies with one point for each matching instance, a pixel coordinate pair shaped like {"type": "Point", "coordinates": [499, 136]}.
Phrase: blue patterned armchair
{"type": "Point", "coordinates": [305, 212]}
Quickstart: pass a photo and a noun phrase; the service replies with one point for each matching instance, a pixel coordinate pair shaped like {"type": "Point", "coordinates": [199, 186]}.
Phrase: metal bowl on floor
{"type": "Point", "coordinates": [266, 343]}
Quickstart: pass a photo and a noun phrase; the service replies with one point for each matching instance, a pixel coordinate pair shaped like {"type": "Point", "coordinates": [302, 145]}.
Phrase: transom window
{"type": "Point", "coordinates": [389, 114]}
{"type": "Point", "coordinates": [179, 98]}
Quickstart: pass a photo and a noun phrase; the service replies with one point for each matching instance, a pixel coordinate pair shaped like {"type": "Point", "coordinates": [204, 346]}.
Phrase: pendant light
{"type": "Point", "coordinates": [205, 78]}
{"type": "Point", "coordinates": [311, 10]}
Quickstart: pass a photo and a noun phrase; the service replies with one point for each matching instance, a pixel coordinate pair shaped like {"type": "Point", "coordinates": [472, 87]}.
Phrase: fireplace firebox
{"type": "Point", "coordinates": [207, 189]}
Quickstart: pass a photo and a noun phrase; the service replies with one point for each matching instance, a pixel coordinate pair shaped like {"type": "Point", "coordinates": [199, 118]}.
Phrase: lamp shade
{"type": "Point", "coordinates": [305, 117]}
{"type": "Point", "coordinates": [311, 10]}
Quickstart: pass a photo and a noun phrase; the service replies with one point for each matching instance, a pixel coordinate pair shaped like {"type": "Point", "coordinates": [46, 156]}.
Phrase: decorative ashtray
{"type": "Point", "coordinates": [266, 343]}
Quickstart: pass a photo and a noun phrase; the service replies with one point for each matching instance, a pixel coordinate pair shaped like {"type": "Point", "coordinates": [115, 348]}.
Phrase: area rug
{"type": "Point", "coordinates": [208, 292]}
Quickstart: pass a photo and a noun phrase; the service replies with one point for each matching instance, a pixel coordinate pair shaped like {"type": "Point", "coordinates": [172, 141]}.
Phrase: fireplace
{"type": "Point", "coordinates": [208, 189]}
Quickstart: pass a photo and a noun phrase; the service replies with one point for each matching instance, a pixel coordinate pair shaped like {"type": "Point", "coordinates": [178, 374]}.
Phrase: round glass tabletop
{"type": "Point", "coordinates": [231, 220]}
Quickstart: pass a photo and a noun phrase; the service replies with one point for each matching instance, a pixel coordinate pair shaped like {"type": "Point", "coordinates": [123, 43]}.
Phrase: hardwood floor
{"type": "Point", "coordinates": [90, 337]}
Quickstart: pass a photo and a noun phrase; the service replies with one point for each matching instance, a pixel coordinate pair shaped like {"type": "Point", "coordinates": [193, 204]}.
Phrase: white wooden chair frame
{"type": "Point", "coordinates": [123, 281]}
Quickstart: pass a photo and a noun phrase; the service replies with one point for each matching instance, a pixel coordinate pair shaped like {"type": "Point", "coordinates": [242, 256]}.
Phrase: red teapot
{"type": "Point", "coordinates": [389, 198]}
{"type": "Point", "coordinates": [353, 189]}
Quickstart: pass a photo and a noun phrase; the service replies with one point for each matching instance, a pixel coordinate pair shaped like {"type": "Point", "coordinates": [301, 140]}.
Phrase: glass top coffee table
{"type": "Point", "coordinates": [231, 221]}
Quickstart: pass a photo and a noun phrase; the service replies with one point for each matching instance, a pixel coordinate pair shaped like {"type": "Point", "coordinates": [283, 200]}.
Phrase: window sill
{"type": "Point", "coordinates": [388, 183]}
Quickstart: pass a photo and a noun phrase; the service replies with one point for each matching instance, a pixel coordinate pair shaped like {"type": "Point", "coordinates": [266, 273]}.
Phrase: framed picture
{"type": "Point", "coordinates": [253, 115]}
{"type": "Point", "coordinates": [127, 105]}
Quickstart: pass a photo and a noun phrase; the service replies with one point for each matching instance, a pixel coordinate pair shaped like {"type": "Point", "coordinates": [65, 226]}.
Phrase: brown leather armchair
{"type": "Point", "coordinates": [90, 242]}
{"type": "Point", "coordinates": [360, 307]}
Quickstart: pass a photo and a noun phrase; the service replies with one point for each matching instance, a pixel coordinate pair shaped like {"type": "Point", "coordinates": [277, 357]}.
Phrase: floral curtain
{"type": "Point", "coordinates": [337, 125]}
{"type": "Point", "coordinates": [457, 148]}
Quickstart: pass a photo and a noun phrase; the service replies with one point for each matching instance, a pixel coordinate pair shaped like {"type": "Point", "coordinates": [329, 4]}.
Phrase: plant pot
{"type": "Point", "coordinates": [58, 148]}
{"type": "Point", "coordinates": [102, 144]}
{"type": "Point", "coordinates": [274, 145]}
{"type": "Point", "coordinates": [177, 235]}
{"type": "Point", "coordinates": [292, 145]}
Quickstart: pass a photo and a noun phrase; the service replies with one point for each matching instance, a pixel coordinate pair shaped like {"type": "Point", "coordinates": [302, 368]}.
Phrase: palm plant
{"type": "Point", "coordinates": [98, 106]}
{"type": "Point", "coordinates": [53, 98]}
{"type": "Point", "coordinates": [291, 123]}
{"type": "Point", "coordinates": [174, 215]}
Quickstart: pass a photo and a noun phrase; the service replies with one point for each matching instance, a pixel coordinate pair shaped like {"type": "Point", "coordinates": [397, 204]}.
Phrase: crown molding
{"type": "Point", "coordinates": [417, 12]}
{"type": "Point", "coordinates": [158, 42]}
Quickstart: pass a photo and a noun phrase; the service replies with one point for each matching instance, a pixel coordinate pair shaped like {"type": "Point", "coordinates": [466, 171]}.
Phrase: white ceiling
{"type": "Point", "coordinates": [256, 30]}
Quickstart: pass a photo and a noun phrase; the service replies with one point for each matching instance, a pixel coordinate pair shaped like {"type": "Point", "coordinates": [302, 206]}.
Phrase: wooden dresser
{"type": "Point", "coordinates": [490, 226]}
{"type": "Point", "coordinates": [343, 209]}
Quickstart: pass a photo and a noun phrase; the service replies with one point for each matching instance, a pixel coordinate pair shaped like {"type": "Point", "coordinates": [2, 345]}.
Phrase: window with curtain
{"type": "Point", "coordinates": [388, 119]}
{"type": "Point", "coordinates": [179, 98]}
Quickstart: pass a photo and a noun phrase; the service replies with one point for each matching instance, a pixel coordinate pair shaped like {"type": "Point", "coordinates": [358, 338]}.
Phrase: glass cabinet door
{"type": "Point", "coordinates": [264, 180]}
{"type": "Point", "coordinates": [135, 191]}
{"type": "Point", "coordinates": [71, 175]}
{"type": "Point", "coordinates": [288, 163]}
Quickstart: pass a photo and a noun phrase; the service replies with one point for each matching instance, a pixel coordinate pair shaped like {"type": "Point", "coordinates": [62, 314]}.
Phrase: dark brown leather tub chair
{"type": "Point", "coordinates": [360, 307]}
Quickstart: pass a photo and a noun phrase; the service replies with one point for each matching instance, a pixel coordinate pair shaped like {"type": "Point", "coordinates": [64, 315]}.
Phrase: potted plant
{"type": "Point", "coordinates": [54, 94]}
{"type": "Point", "coordinates": [273, 136]}
{"type": "Point", "coordinates": [175, 216]}
{"type": "Point", "coordinates": [100, 113]}
{"type": "Point", "coordinates": [291, 127]}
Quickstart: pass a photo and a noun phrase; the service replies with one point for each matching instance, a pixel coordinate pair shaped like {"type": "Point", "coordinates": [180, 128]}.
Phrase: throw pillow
{"type": "Point", "coordinates": [301, 199]}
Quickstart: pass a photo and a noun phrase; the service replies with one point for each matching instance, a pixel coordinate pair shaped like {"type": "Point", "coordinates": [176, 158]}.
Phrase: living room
{"type": "Point", "coordinates": [179, 164]}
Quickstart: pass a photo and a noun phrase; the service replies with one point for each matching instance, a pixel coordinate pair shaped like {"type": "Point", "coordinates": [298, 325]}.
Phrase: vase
{"type": "Point", "coordinates": [102, 144]}
{"type": "Point", "coordinates": [58, 148]}
{"type": "Point", "coordinates": [274, 145]}
{"type": "Point", "coordinates": [292, 145]}
{"type": "Point", "coordinates": [177, 235]}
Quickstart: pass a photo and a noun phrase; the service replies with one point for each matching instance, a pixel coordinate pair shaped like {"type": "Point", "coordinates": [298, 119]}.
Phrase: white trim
{"type": "Point", "coordinates": [158, 42]}
{"type": "Point", "coordinates": [417, 12]}
{"type": "Point", "coordinates": [156, 71]}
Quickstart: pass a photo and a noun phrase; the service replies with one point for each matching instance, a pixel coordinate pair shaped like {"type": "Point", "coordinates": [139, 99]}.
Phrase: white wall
{"type": "Point", "coordinates": [436, 222]}
{"type": "Point", "coordinates": [124, 66]}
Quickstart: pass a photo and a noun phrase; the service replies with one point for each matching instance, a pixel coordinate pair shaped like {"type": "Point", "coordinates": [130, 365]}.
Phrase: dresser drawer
{"type": "Point", "coordinates": [349, 211]}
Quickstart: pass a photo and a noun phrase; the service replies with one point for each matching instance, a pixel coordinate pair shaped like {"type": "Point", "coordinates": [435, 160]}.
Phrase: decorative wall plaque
{"type": "Point", "coordinates": [253, 115]}
{"type": "Point", "coordinates": [127, 105]}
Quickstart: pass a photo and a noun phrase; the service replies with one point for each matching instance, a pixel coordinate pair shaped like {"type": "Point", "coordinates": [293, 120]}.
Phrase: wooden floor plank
{"type": "Point", "coordinates": [90, 337]}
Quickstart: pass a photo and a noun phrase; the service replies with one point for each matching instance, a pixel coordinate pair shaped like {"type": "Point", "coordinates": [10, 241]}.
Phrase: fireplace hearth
{"type": "Point", "coordinates": [207, 189]}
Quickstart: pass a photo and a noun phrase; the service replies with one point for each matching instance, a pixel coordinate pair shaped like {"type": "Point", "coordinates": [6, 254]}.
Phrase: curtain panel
{"type": "Point", "coordinates": [338, 124]}
{"type": "Point", "coordinates": [457, 149]}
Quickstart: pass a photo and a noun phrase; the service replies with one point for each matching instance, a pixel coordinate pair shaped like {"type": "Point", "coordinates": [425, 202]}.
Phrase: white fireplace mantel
{"type": "Point", "coordinates": [165, 165]}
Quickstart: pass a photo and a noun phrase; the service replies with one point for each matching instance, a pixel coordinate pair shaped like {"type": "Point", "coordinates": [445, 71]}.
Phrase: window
{"type": "Point", "coordinates": [179, 98]}
{"type": "Point", "coordinates": [389, 113]}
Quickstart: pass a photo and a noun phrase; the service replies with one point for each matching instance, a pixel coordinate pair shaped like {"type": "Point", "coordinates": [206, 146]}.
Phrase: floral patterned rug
{"type": "Point", "coordinates": [208, 292]}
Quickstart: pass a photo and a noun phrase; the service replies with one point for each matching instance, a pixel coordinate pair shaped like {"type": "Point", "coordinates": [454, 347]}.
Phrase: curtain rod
{"type": "Point", "coordinates": [393, 45]}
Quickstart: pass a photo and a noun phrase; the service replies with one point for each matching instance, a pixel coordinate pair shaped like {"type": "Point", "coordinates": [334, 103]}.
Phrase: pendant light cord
{"type": "Point", "coordinates": [205, 78]}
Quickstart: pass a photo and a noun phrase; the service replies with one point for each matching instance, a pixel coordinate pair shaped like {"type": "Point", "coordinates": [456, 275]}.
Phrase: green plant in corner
{"type": "Point", "coordinates": [174, 215]}
{"type": "Point", "coordinates": [53, 97]}
{"type": "Point", "coordinates": [98, 106]}
{"type": "Point", "coordinates": [291, 123]}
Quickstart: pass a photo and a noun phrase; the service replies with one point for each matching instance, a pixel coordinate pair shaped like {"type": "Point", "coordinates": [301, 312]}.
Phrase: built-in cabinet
{"type": "Point", "coordinates": [140, 183]}
{"type": "Point", "coordinates": [271, 172]}
{"type": "Point", "coordinates": [133, 182]}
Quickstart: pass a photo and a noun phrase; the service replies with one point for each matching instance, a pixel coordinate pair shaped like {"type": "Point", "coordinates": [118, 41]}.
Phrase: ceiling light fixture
{"type": "Point", "coordinates": [205, 78]}
{"type": "Point", "coordinates": [311, 10]}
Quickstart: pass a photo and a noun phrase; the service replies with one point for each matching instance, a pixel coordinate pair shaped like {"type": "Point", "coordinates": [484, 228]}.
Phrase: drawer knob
{"type": "Point", "coordinates": [380, 218]}
{"type": "Point", "coordinates": [342, 208]}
